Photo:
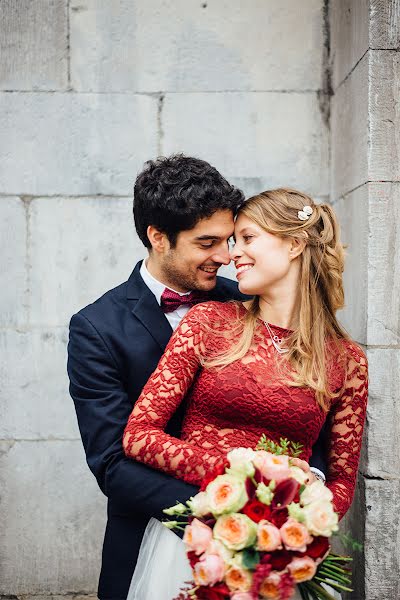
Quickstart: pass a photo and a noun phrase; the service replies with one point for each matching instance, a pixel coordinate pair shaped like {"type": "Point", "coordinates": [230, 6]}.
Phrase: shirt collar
{"type": "Point", "coordinates": [155, 286]}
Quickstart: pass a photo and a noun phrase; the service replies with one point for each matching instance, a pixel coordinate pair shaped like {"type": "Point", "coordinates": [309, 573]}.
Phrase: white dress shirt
{"type": "Point", "coordinates": [156, 287]}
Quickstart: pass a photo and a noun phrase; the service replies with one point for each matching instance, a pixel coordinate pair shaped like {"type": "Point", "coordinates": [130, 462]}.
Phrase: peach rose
{"type": "Point", "coordinates": [320, 518]}
{"type": "Point", "coordinates": [295, 536]}
{"type": "Point", "coordinates": [242, 596]}
{"type": "Point", "coordinates": [302, 569]}
{"type": "Point", "coordinates": [270, 587]}
{"type": "Point", "coordinates": [236, 531]}
{"type": "Point", "coordinates": [238, 579]}
{"type": "Point", "coordinates": [268, 537]}
{"type": "Point", "coordinates": [227, 493]}
{"type": "Point", "coordinates": [197, 536]}
{"type": "Point", "coordinates": [218, 548]}
{"type": "Point", "coordinates": [316, 492]}
{"type": "Point", "coordinates": [209, 570]}
{"type": "Point", "coordinates": [272, 466]}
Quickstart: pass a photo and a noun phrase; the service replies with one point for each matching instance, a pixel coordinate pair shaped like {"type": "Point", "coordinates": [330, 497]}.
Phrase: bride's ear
{"type": "Point", "coordinates": [297, 246]}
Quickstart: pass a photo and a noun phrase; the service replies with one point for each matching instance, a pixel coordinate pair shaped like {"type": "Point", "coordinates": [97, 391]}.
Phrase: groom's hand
{"type": "Point", "coordinates": [304, 466]}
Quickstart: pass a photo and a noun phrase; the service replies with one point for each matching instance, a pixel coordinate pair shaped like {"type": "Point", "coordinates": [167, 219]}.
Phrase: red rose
{"type": "Point", "coordinates": [256, 511]}
{"type": "Point", "coordinates": [216, 592]}
{"type": "Point", "coordinates": [280, 559]}
{"type": "Point", "coordinates": [193, 558]}
{"type": "Point", "coordinates": [318, 547]}
{"type": "Point", "coordinates": [211, 475]}
{"type": "Point", "coordinates": [279, 516]}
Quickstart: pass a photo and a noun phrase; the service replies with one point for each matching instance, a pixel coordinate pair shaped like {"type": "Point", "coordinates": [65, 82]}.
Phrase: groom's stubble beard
{"type": "Point", "coordinates": [184, 275]}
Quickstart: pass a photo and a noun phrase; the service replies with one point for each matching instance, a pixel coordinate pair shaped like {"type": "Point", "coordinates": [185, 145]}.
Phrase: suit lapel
{"type": "Point", "coordinates": [146, 309]}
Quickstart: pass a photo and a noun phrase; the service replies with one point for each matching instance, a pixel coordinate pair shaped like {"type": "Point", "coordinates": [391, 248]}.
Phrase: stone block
{"type": "Point", "coordinates": [384, 264]}
{"type": "Point", "coordinates": [368, 217]}
{"type": "Point", "coordinates": [33, 45]}
{"type": "Point", "coordinates": [35, 403]}
{"type": "Point", "coordinates": [278, 137]}
{"type": "Point", "coordinates": [383, 449]}
{"type": "Point", "coordinates": [350, 136]}
{"type": "Point", "coordinates": [382, 540]}
{"type": "Point", "coordinates": [384, 24]}
{"type": "Point", "coordinates": [349, 32]}
{"type": "Point", "coordinates": [384, 116]}
{"type": "Point", "coordinates": [75, 144]}
{"type": "Point", "coordinates": [189, 46]}
{"type": "Point", "coordinates": [14, 272]}
{"type": "Point", "coordinates": [81, 247]}
{"type": "Point", "coordinates": [52, 519]}
{"type": "Point", "coordinates": [352, 212]}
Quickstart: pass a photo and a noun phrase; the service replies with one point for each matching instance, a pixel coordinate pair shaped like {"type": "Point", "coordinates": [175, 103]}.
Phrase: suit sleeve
{"type": "Point", "coordinates": [103, 407]}
{"type": "Point", "coordinates": [320, 451]}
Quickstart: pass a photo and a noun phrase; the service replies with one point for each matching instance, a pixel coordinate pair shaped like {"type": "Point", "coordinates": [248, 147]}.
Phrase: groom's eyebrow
{"type": "Point", "coordinates": [207, 237]}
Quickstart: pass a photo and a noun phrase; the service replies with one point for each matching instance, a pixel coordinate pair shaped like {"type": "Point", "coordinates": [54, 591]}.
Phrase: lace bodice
{"type": "Point", "coordinates": [234, 406]}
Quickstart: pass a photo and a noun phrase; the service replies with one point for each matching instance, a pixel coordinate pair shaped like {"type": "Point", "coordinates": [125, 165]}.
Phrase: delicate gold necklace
{"type": "Point", "coordinates": [275, 339]}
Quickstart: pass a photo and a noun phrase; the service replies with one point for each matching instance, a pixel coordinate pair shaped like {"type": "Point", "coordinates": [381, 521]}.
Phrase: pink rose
{"type": "Point", "coordinates": [209, 570]}
{"type": "Point", "coordinates": [302, 569]}
{"type": "Point", "coordinates": [295, 536]}
{"type": "Point", "coordinates": [242, 596]}
{"type": "Point", "coordinates": [268, 537]}
{"type": "Point", "coordinates": [197, 536]}
{"type": "Point", "coordinates": [272, 466]}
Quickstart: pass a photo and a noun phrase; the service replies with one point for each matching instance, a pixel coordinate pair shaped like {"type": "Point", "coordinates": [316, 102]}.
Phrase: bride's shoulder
{"type": "Point", "coordinates": [213, 311]}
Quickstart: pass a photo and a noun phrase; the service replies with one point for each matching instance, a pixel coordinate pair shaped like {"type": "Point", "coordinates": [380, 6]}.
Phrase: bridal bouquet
{"type": "Point", "coordinates": [255, 530]}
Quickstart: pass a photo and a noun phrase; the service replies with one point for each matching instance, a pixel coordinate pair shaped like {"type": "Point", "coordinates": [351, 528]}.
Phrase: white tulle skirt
{"type": "Point", "coordinates": [163, 569]}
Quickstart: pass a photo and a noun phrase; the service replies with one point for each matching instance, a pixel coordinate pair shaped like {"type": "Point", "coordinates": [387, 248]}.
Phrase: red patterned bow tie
{"type": "Point", "coordinates": [172, 300]}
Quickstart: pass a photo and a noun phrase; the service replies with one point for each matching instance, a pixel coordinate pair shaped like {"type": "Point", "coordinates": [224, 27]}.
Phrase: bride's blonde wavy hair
{"type": "Point", "coordinates": [320, 288]}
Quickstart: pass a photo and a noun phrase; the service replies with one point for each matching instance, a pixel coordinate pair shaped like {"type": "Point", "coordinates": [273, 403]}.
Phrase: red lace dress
{"type": "Point", "coordinates": [234, 406]}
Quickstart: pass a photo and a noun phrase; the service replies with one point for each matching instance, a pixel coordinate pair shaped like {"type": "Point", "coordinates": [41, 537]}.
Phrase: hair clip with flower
{"type": "Point", "coordinates": [305, 214]}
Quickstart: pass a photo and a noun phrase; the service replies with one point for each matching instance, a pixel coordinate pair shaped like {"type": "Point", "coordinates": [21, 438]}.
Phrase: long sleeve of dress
{"type": "Point", "coordinates": [144, 437]}
{"type": "Point", "coordinates": [347, 419]}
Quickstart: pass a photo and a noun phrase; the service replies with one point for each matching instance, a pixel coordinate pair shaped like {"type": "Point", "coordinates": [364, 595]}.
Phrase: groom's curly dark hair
{"type": "Point", "coordinates": [174, 193]}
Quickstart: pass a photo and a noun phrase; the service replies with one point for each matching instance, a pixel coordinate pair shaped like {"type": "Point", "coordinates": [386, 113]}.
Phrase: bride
{"type": "Point", "coordinates": [279, 365]}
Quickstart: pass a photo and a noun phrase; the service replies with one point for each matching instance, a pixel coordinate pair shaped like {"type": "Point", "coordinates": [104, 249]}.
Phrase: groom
{"type": "Point", "coordinates": [183, 211]}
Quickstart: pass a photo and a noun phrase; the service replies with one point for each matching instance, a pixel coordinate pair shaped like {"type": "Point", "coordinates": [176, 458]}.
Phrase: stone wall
{"type": "Point", "coordinates": [365, 188]}
{"type": "Point", "coordinates": [90, 89]}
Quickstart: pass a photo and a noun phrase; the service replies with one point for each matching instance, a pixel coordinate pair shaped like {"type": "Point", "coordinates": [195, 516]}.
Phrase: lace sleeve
{"type": "Point", "coordinates": [144, 437]}
{"type": "Point", "coordinates": [347, 424]}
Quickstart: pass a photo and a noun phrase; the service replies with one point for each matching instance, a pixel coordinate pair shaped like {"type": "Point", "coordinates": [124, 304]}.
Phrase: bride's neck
{"type": "Point", "coordinates": [279, 310]}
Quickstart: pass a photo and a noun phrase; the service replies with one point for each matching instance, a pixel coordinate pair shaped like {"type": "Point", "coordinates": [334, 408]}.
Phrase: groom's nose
{"type": "Point", "coordinates": [221, 255]}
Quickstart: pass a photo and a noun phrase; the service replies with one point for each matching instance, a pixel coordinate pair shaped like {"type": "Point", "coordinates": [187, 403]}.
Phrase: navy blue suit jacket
{"type": "Point", "coordinates": [114, 346]}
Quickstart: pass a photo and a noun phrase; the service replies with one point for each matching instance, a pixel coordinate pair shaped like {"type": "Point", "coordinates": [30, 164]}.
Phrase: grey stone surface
{"type": "Point", "coordinates": [51, 517]}
{"type": "Point", "coordinates": [372, 273]}
{"type": "Point", "coordinates": [384, 264]}
{"type": "Point", "coordinates": [349, 22]}
{"type": "Point", "coordinates": [34, 398]}
{"type": "Point", "coordinates": [14, 272]}
{"type": "Point", "coordinates": [181, 45]}
{"type": "Point", "coordinates": [383, 450]}
{"type": "Point", "coordinates": [280, 138]}
{"type": "Point", "coordinates": [33, 45]}
{"type": "Point", "coordinates": [75, 143]}
{"type": "Point", "coordinates": [384, 116]}
{"type": "Point", "coordinates": [385, 24]}
{"type": "Point", "coordinates": [382, 534]}
{"type": "Point", "coordinates": [349, 132]}
{"type": "Point", "coordinates": [352, 212]}
{"type": "Point", "coordinates": [81, 247]}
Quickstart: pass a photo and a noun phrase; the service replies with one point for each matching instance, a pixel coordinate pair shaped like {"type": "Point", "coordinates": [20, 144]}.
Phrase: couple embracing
{"type": "Point", "coordinates": [177, 366]}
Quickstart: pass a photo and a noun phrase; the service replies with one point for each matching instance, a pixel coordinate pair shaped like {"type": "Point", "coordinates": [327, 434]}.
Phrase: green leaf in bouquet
{"type": "Point", "coordinates": [349, 542]}
{"type": "Point", "coordinates": [285, 446]}
{"type": "Point", "coordinates": [250, 558]}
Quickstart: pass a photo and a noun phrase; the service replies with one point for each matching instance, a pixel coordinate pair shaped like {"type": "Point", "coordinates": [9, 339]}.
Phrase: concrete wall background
{"type": "Point", "coordinates": [90, 89]}
{"type": "Point", "coordinates": [365, 190]}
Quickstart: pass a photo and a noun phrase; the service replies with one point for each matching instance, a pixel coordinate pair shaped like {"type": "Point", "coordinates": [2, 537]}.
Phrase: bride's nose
{"type": "Point", "coordinates": [235, 252]}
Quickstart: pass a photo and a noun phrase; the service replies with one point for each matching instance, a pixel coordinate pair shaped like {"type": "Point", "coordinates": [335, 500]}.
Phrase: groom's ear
{"type": "Point", "coordinates": [158, 239]}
